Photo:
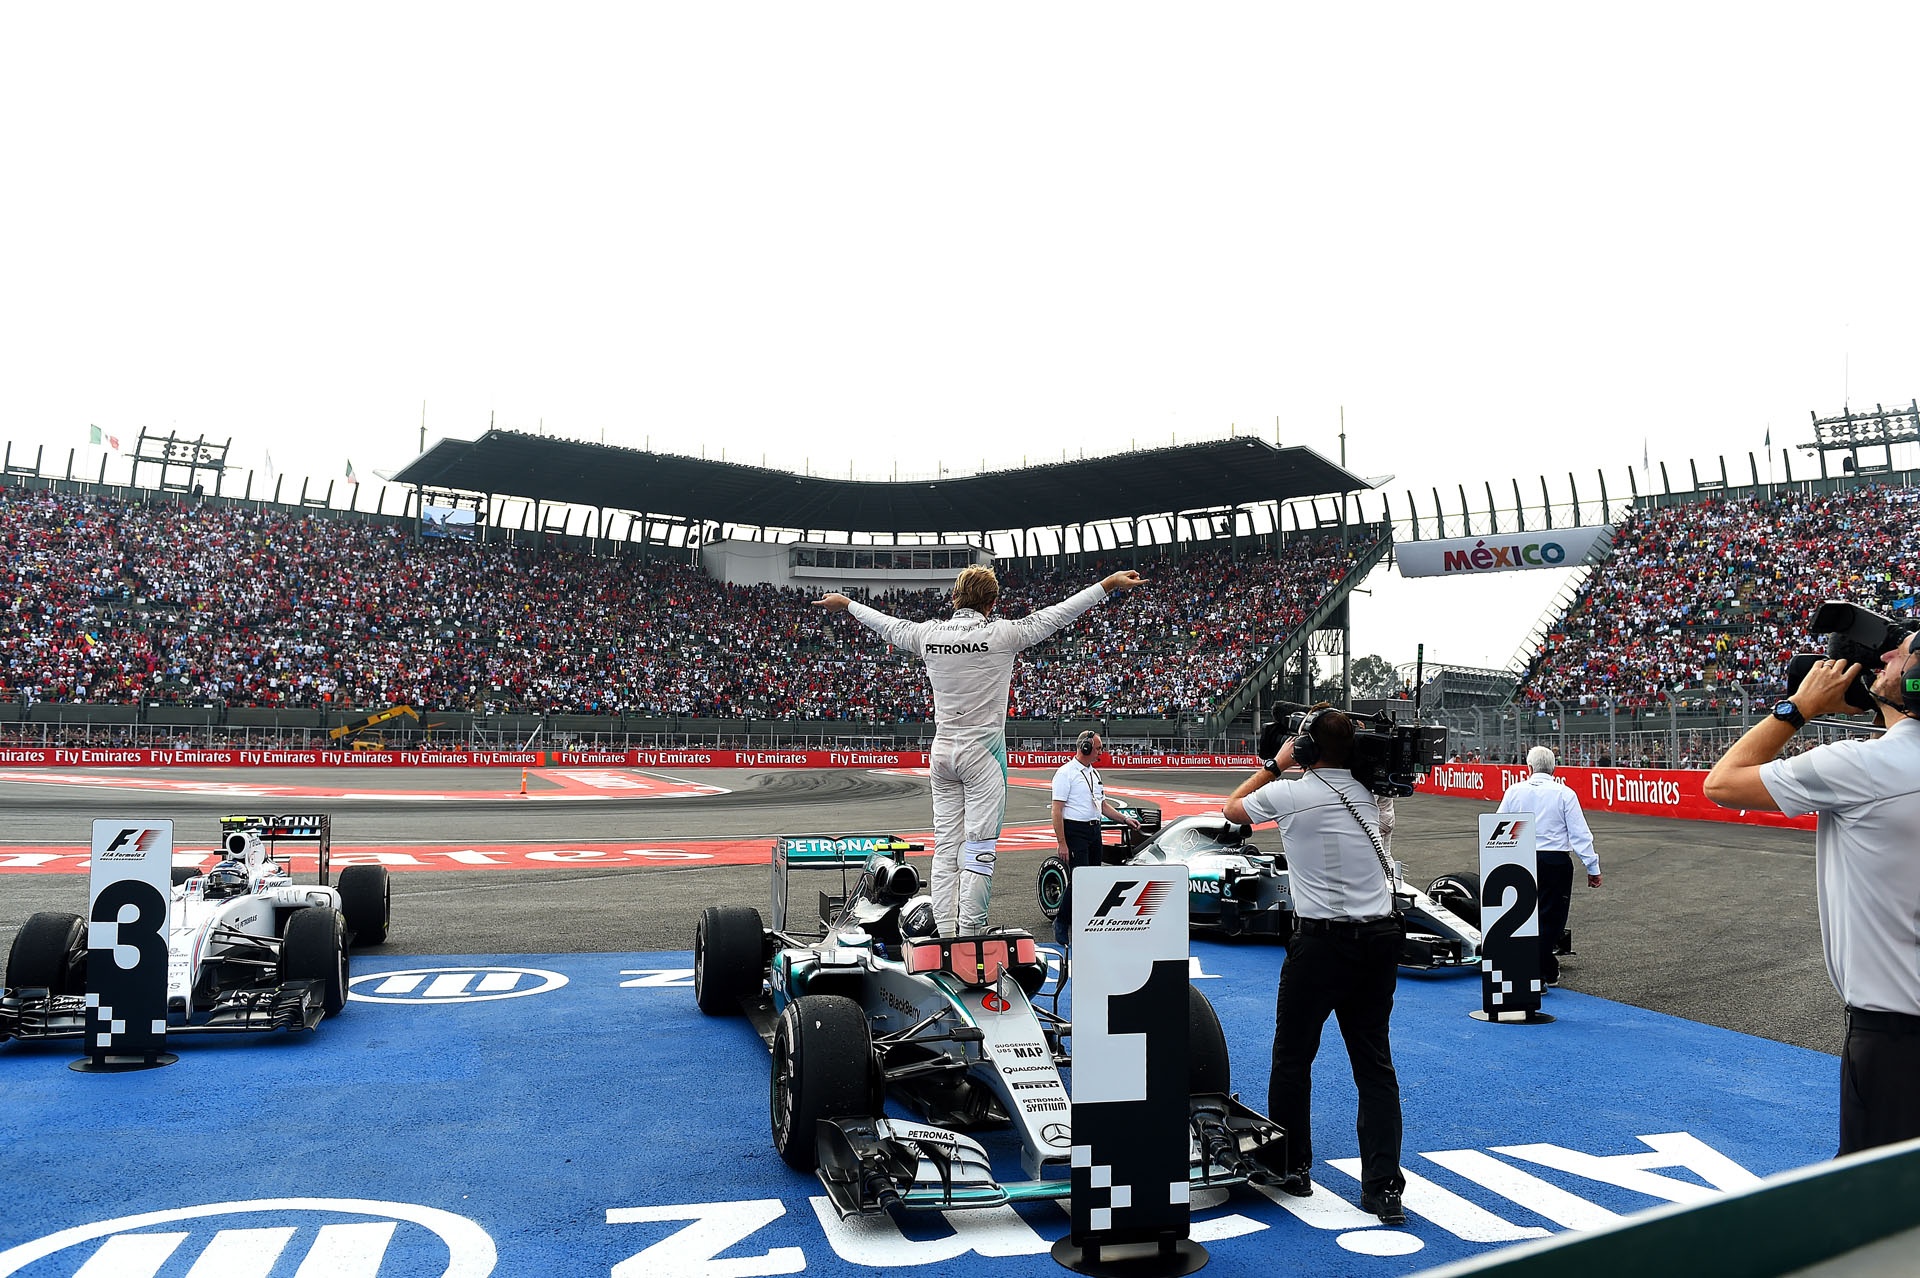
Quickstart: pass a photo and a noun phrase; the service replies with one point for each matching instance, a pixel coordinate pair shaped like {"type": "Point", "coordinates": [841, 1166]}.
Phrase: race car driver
{"type": "Point", "coordinates": [970, 664]}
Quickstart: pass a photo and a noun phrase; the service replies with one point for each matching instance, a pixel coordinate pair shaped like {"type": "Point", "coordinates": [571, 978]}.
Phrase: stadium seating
{"type": "Point", "coordinates": [1718, 594]}
{"type": "Point", "coordinates": [110, 601]}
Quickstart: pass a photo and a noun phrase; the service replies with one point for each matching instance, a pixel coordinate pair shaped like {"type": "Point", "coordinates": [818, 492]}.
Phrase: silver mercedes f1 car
{"type": "Point", "coordinates": [869, 1005]}
{"type": "Point", "coordinates": [1236, 889]}
{"type": "Point", "coordinates": [248, 948]}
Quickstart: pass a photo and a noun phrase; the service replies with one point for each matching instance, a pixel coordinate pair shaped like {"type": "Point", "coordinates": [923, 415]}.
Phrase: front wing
{"type": "Point", "coordinates": [28, 1014]}
{"type": "Point", "coordinates": [872, 1165]}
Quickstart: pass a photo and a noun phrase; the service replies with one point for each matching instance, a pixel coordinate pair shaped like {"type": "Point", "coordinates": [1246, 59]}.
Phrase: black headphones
{"type": "Point", "coordinates": [1084, 745]}
{"type": "Point", "coordinates": [1306, 751]}
{"type": "Point", "coordinates": [1910, 679]}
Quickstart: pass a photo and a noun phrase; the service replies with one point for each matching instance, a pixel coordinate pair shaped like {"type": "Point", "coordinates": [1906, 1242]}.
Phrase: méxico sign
{"type": "Point", "coordinates": [1502, 552]}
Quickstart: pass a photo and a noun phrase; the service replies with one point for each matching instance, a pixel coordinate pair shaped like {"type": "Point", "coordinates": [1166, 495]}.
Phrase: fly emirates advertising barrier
{"type": "Point", "coordinates": [1639, 791]}
{"type": "Point", "coordinates": [692, 757]}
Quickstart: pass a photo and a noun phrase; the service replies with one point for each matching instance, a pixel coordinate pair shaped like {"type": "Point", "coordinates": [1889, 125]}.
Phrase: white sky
{"type": "Point", "coordinates": [1506, 238]}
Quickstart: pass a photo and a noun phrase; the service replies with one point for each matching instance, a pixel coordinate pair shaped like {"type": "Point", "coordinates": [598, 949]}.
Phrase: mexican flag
{"type": "Point", "coordinates": [351, 477]}
{"type": "Point", "coordinates": [95, 437]}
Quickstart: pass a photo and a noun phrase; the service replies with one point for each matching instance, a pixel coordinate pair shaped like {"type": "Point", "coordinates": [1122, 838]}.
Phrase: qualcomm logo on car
{"type": "Point", "coordinates": [415, 1238]}
{"type": "Point", "coordinates": [452, 984]}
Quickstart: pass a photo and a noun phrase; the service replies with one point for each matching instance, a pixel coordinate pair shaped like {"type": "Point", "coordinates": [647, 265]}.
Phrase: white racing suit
{"type": "Point", "coordinates": [970, 664]}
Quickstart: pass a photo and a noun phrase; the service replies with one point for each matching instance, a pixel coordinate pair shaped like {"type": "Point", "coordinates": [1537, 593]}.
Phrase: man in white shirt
{"type": "Point", "coordinates": [1344, 956]}
{"type": "Point", "coordinates": [1079, 801]}
{"type": "Point", "coordinates": [1560, 830]}
{"type": "Point", "coordinates": [1867, 797]}
{"type": "Point", "coordinates": [970, 665]}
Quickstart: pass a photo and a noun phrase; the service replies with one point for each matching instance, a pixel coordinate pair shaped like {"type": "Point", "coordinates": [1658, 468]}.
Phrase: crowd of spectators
{"type": "Point", "coordinates": [1705, 602]}
{"type": "Point", "coordinates": [111, 601]}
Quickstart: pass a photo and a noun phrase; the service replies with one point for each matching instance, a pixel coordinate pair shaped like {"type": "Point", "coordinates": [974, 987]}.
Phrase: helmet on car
{"type": "Point", "coordinates": [224, 881]}
{"type": "Point", "coordinates": [917, 920]}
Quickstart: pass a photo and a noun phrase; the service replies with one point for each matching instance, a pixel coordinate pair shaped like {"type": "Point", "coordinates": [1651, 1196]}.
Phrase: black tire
{"type": "Point", "coordinates": [729, 958]}
{"type": "Point", "coordinates": [822, 1063]}
{"type": "Point", "coordinates": [181, 873]}
{"type": "Point", "coordinates": [1052, 885]}
{"type": "Point", "coordinates": [1208, 1067]}
{"type": "Point", "coordinates": [1459, 894]}
{"type": "Point", "coordinates": [315, 949]}
{"type": "Point", "coordinates": [366, 899]}
{"type": "Point", "coordinates": [49, 953]}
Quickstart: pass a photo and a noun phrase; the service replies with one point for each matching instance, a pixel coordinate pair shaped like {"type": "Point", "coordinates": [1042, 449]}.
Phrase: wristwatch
{"type": "Point", "coordinates": [1270, 766]}
{"type": "Point", "coordinates": [1789, 713]}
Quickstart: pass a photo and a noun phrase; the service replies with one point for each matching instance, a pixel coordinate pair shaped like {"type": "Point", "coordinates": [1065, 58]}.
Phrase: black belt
{"type": "Point", "coordinates": [1347, 927]}
{"type": "Point", "coordinates": [1882, 1022]}
{"type": "Point", "coordinates": [1094, 825]}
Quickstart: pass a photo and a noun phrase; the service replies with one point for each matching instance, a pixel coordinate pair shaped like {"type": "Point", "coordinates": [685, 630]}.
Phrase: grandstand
{"type": "Point", "coordinates": [130, 611]}
{"type": "Point", "coordinates": [137, 612]}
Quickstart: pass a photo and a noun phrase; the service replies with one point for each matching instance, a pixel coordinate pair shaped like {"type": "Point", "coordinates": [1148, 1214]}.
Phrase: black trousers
{"type": "Point", "coordinates": [1879, 1080]}
{"type": "Point", "coordinates": [1556, 900]}
{"type": "Point", "coordinates": [1351, 978]}
{"type": "Point", "coordinates": [1083, 848]}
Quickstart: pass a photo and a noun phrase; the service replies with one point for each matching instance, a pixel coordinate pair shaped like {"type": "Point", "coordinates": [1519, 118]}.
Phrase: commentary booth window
{"type": "Point", "coordinates": [454, 522]}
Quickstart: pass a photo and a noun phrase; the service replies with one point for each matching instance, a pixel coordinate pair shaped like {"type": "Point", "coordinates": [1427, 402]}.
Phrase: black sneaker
{"type": "Point", "coordinates": [1385, 1205]}
{"type": "Point", "coordinates": [1553, 982]}
{"type": "Point", "coordinates": [1298, 1184]}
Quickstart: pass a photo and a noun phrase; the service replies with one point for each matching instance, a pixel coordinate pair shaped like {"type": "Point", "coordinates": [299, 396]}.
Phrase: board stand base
{"type": "Point", "coordinates": [1512, 1018]}
{"type": "Point", "coordinates": [1168, 1258]}
{"type": "Point", "coordinates": [120, 1064]}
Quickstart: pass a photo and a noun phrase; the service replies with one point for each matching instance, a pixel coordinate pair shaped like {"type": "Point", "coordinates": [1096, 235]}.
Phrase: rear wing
{"type": "Point", "coordinates": [841, 852]}
{"type": "Point", "coordinates": [307, 827]}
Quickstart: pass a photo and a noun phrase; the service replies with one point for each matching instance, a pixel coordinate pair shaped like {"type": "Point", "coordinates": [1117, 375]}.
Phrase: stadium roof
{"type": "Point", "coordinates": [1153, 481]}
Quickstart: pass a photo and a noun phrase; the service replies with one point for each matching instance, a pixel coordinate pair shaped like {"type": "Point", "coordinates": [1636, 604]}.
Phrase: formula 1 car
{"type": "Point", "coordinates": [1234, 889]}
{"type": "Point", "coordinates": [872, 1005]}
{"type": "Point", "coordinates": [248, 948]}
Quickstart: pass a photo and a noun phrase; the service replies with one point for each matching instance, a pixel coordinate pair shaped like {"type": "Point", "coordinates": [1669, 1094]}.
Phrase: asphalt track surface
{"type": "Point", "coordinates": [1714, 923]}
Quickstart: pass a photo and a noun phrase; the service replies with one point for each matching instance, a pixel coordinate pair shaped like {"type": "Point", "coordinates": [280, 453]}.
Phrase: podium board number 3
{"type": "Point", "coordinates": [137, 918]}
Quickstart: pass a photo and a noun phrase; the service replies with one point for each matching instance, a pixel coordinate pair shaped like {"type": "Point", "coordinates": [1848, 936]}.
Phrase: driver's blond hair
{"type": "Point", "coordinates": [976, 587]}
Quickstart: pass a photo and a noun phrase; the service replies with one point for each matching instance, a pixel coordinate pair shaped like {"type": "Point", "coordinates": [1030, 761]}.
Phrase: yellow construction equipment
{"type": "Point", "coordinates": [359, 734]}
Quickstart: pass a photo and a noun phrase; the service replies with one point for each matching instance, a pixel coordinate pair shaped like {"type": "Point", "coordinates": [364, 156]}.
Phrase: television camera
{"type": "Point", "coordinates": [1854, 634]}
{"type": "Point", "coordinates": [1388, 756]}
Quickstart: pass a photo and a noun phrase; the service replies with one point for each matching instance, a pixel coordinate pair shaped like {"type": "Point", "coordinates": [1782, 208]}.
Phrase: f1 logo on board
{"type": "Point", "coordinates": [1129, 906]}
{"type": "Point", "coordinates": [417, 1240]}
{"type": "Point", "coordinates": [137, 840]}
{"type": "Point", "coordinates": [451, 985]}
{"type": "Point", "coordinates": [1506, 834]}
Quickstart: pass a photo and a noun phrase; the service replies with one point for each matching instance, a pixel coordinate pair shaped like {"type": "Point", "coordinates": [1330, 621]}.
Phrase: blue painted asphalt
{"type": "Point", "coordinates": [466, 1124]}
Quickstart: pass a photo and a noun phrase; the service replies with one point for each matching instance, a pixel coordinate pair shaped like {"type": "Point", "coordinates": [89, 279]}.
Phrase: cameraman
{"type": "Point", "coordinates": [1345, 954]}
{"type": "Point", "coordinates": [1867, 878]}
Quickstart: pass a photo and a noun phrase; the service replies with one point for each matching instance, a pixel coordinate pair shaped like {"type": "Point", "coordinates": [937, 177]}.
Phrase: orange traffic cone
{"type": "Point", "coordinates": [523, 783]}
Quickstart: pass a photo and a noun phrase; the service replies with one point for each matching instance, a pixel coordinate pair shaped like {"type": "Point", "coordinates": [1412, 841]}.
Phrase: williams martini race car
{"type": "Point", "coordinates": [1236, 889]}
{"type": "Point", "coordinates": [869, 1005]}
{"type": "Point", "coordinates": [248, 948]}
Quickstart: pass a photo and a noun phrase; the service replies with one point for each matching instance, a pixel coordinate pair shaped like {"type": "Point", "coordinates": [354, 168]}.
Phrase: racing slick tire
{"type": "Point", "coordinates": [1459, 894]}
{"type": "Point", "coordinates": [366, 899]}
{"type": "Point", "coordinates": [729, 958]}
{"type": "Point", "coordinates": [50, 953]}
{"type": "Point", "coordinates": [1052, 885]}
{"type": "Point", "coordinates": [181, 873]}
{"type": "Point", "coordinates": [822, 1065]}
{"type": "Point", "coordinates": [1208, 1067]}
{"type": "Point", "coordinates": [315, 949]}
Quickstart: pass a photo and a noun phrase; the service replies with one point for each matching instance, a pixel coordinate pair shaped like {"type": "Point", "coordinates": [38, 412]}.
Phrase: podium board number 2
{"type": "Point", "coordinates": [1494, 892]}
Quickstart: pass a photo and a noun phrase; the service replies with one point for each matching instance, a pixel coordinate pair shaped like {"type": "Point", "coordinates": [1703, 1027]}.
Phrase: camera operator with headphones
{"type": "Point", "coordinates": [1344, 957]}
{"type": "Point", "coordinates": [1867, 875]}
{"type": "Point", "coordinates": [1079, 801]}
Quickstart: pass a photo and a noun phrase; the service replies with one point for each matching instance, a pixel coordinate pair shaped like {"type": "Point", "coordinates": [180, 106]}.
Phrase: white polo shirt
{"type": "Point", "coordinates": [1334, 871]}
{"type": "Point", "coordinates": [1079, 787]}
{"type": "Point", "coordinates": [1867, 795]}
